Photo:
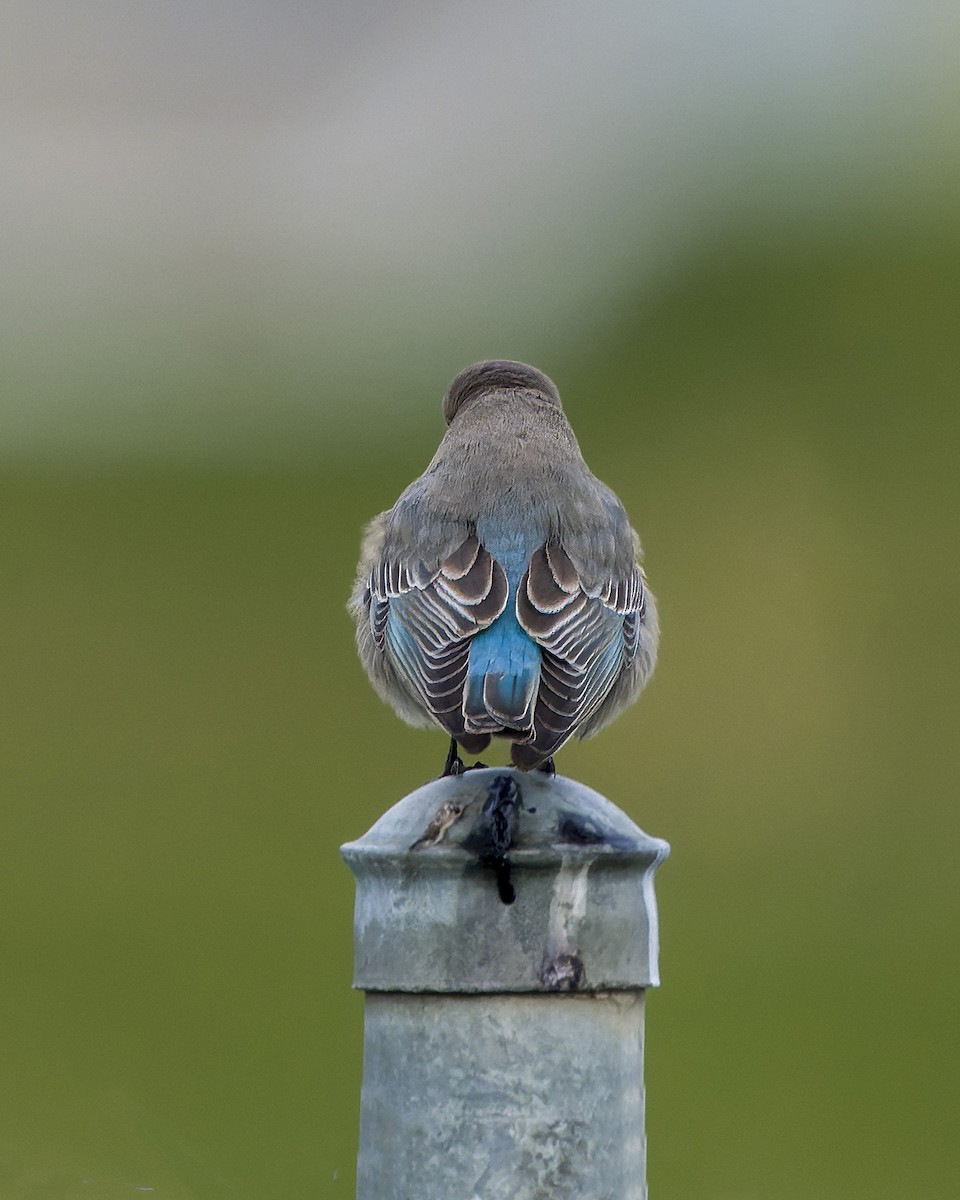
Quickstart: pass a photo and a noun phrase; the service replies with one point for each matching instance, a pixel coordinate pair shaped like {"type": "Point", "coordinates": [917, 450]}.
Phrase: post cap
{"type": "Point", "coordinates": [502, 881]}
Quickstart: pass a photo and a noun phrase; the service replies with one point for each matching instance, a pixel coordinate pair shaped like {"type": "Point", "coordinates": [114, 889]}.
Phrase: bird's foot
{"type": "Point", "coordinates": [454, 764]}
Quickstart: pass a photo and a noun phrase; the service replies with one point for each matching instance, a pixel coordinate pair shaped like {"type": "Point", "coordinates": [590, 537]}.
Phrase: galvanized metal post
{"type": "Point", "coordinates": [505, 933]}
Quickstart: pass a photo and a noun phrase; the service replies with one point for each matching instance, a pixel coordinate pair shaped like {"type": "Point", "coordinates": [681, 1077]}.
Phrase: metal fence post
{"type": "Point", "coordinates": [505, 933]}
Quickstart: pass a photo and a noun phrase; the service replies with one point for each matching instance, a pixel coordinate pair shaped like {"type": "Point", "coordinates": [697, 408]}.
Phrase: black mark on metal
{"type": "Point", "coordinates": [578, 830]}
{"type": "Point", "coordinates": [492, 836]}
{"type": "Point", "coordinates": [562, 973]}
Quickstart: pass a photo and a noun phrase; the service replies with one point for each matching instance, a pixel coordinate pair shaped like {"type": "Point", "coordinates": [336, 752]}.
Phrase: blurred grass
{"type": "Point", "coordinates": [188, 738]}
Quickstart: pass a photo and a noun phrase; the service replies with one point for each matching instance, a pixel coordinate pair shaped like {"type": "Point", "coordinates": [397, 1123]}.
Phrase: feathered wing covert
{"type": "Point", "coordinates": [416, 621]}
{"type": "Point", "coordinates": [589, 638]}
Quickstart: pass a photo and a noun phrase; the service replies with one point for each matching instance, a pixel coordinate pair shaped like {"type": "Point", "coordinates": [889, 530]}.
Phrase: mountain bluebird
{"type": "Point", "coordinates": [502, 594]}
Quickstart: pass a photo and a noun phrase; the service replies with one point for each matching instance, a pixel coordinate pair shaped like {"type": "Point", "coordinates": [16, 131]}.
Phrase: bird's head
{"type": "Point", "coordinates": [497, 375]}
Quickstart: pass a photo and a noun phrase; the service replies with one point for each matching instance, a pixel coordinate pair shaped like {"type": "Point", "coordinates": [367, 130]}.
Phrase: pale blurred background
{"type": "Point", "coordinates": [244, 250]}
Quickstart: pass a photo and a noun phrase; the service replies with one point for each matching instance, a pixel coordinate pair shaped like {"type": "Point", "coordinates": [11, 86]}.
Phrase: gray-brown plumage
{"type": "Point", "coordinates": [502, 594]}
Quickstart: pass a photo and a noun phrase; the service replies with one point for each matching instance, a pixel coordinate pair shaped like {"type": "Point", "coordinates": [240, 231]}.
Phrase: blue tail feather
{"type": "Point", "coordinates": [502, 677]}
{"type": "Point", "coordinates": [503, 673]}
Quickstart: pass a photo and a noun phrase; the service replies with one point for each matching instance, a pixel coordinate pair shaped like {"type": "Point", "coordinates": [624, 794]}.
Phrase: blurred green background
{"type": "Point", "coordinates": [758, 350]}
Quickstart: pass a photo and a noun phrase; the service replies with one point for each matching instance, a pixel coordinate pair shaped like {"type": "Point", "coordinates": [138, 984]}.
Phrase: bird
{"type": "Point", "coordinates": [502, 596]}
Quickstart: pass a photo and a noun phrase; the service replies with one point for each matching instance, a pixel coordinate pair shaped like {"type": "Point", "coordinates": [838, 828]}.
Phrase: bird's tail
{"type": "Point", "coordinates": [503, 676]}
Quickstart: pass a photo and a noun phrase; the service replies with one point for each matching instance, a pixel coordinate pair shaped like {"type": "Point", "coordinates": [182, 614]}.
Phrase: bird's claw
{"type": "Point", "coordinates": [454, 763]}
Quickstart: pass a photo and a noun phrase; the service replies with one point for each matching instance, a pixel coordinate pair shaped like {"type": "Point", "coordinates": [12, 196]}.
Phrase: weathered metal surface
{"type": "Point", "coordinates": [505, 931]}
{"type": "Point", "coordinates": [520, 1097]}
{"type": "Point", "coordinates": [550, 891]}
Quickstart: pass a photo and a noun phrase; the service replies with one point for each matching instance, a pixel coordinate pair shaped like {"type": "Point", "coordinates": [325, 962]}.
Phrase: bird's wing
{"type": "Point", "coordinates": [587, 634]}
{"type": "Point", "coordinates": [423, 617]}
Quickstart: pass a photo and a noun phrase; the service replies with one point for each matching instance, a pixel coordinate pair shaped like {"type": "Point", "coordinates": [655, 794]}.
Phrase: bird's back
{"type": "Point", "coordinates": [503, 590]}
